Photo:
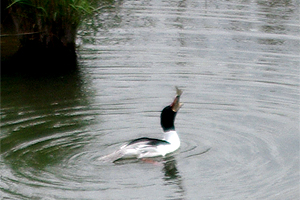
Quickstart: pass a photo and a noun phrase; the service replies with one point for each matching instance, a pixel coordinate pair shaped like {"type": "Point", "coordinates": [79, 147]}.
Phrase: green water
{"type": "Point", "coordinates": [238, 65]}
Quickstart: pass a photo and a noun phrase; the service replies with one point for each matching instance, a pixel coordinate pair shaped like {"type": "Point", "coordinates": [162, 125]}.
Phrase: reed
{"type": "Point", "coordinates": [50, 18]}
{"type": "Point", "coordinates": [47, 28]}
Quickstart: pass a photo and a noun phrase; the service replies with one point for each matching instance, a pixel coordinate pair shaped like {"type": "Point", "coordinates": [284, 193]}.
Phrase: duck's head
{"type": "Point", "coordinates": [168, 114]}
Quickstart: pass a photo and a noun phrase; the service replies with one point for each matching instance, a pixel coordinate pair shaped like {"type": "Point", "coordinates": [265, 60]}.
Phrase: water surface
{"type": "Point", "coordinates": [238, 64]}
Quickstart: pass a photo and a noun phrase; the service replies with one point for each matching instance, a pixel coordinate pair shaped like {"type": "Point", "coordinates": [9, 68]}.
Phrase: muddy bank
{"type": "Point", "coordinates": [38, 37]}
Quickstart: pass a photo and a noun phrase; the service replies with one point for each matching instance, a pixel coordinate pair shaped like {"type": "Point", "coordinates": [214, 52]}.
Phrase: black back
{"type": "Point", "coordinates": [148, 141]}
{"type": "Point", "coordinates": [167, 119]}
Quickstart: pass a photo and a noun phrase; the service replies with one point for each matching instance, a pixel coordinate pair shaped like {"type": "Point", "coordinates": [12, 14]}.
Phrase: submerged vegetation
{"type": "Point", "coordinates": [47, 30]}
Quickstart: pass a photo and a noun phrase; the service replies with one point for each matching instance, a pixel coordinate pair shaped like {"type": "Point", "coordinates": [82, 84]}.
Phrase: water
{"type": "Point", "coordinates": [238, 64]}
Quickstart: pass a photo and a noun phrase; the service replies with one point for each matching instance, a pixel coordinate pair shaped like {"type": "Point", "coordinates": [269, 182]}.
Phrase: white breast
{"type": "Point", "coordinates": [173, 138]}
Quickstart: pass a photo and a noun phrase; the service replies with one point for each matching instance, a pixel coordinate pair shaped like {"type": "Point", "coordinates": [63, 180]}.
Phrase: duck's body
{"type": "Point", "coordinates": [150, 147]}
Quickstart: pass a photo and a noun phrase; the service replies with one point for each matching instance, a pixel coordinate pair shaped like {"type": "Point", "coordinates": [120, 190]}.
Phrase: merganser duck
{"type": "Point", "coordinates": [150, 147]}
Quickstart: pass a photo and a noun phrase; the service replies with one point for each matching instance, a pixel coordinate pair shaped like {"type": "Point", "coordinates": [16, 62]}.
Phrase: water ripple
{"type": "Point", "coordinates": [238, 64]}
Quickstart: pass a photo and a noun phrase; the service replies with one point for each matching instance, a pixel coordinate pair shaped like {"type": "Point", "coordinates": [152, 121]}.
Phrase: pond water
{"type": "Point", "coordinates": [238, 65]}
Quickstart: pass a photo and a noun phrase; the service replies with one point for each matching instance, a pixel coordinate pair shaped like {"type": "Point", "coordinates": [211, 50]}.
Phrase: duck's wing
{"type": "Point", "coordinates": [138, 148]}
{"type": "Point", "coordinates": [148, 142]}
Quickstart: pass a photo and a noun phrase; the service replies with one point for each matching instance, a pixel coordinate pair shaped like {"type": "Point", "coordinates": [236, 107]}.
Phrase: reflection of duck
{"type": "Point", "coordinates": [151, 147]}
{"type": "Point", "coordinates": [173, 177]}
{"type": "Point", "coordinates": [170, 169]}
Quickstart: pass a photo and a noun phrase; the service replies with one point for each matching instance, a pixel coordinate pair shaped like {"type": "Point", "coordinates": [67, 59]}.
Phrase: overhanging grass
{"type": "Point", "coordinates": [53, 24]}
{"type": "Point", "coordinates": [52, 17]}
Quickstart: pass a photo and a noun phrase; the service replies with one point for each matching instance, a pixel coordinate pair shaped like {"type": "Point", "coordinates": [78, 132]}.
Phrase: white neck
{"type": "Point", "coordinates": [172, 137]}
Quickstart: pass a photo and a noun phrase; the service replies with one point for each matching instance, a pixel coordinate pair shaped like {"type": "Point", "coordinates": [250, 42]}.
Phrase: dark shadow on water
{"type": "Point", "coordinates": [35, 60]}
{"type": "Point", "coordinates": [42, 119]}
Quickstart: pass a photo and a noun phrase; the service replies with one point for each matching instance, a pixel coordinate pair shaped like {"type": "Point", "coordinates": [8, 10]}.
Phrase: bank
{"type": "Point", "coordinates": [38, 36]}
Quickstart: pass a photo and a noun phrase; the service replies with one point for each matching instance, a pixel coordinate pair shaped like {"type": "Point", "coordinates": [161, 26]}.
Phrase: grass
{"type": "Point", "coordinates": [54, 9]}
{"type": "Point", "coordinates": [52, 16]}
{"type": "Point", "coordinates": [53, 24]}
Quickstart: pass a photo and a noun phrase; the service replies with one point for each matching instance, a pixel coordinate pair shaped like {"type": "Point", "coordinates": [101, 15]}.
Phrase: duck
{"type": "Point", "coordinates": [146, 147]}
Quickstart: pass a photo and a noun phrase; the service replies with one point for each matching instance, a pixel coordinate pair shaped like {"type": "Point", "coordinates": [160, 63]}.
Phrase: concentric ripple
{"type": "Point", "coordinates": [238, 65]}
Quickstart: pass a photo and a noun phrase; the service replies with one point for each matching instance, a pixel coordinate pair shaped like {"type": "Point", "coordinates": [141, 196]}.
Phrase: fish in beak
{"type": "Point", "coordinates": [176, 105]}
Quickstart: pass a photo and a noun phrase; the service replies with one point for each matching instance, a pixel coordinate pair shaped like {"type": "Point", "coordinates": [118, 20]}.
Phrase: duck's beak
{"type": "Point", "coordinates": [176, 105]}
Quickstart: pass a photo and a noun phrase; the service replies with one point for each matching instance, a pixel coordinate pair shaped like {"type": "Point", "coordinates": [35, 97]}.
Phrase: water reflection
{"type": "Point", "coordinates": [239, 64]}
{"type": "Point", "coordinates": [173, 177]}
{"type": "Point", "coordinates": [42, 119]}
{"type": "Point", "coordinates": [276, 14]}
